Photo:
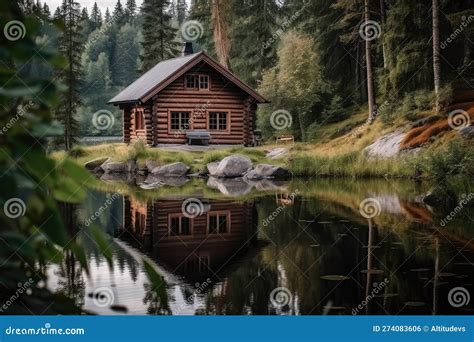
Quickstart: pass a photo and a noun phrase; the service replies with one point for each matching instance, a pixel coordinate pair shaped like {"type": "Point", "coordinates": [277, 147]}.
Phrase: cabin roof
{"type": "Point", "coordinates": [165, 72]}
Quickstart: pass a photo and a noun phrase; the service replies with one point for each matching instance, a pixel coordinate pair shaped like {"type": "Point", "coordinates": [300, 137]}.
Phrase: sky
{"type": "Point", "coordinates": [103, 4]}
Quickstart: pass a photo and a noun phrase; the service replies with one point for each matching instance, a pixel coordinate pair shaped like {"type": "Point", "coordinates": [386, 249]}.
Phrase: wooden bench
{"type": "Point", "coordinates": [285, 138]}
{"type": "Point", "coordinates": [200, 135]}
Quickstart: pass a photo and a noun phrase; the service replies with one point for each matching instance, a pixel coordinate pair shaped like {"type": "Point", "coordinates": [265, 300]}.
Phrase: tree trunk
{"type": "Point", "coordinates": [220, 13]}
{"type": "Point", "coordinates": [436, 65]}
{"type": "Point", "coordinates": [382, 21]}
{"type": "Point", "coordinates": [368, 62]}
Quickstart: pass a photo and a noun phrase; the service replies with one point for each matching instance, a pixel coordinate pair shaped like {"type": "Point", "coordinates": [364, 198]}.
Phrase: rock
{"type": "Point", "coordinates": [467, 132]}
{"type": "Point", "coordinates": [269, 185]}
{"type": "Point", "coordinates": [385, 147]}
{"type": "Point", "coordinates": [150, 165]}
{"type": "Point", "coordinates": [441, 197]}
{"type": "Point", "coordinates": [95, 163]}
{"type": "Point", "coordinates": [166, 180]}
{"type": "Point", "coordinates": [114, 167]}
{"type": "Point", "coordinates": [174, 170]}
{"type": "Point", "coordinates": [211, 168]}
{"type": "Point", "coordinates": [278, 152]}
{"type": "Point", "coordinates": [267, 171]}
{"type": "Point", "coordinates": [230, 167]}
{"type": "Point", "coordinates": [424, 121]}
{"type": "Point", "coordinates": [131, 166]}
{"type": "Point", "coordinates": [229, 186]}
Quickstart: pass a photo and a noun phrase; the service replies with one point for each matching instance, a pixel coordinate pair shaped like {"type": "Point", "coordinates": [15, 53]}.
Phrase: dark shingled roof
{"type": "Point", "coordinates": [162, 73]}
{"type": "Point", "coordinates": [151, 78]}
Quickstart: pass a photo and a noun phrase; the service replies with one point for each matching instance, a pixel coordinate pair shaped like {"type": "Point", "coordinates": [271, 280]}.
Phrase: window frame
{"type": "Point", "coordinates": [139, 113]}
{"type": "Point", "coordinates": [172, 130]}
{"type": "Point", "coordinates": [218, 213]}
{"type": "Point", "coordinates": [180, 216]}
{"type": "Point", "coordinates": [208, 126]}
{"type": "Point", "coordinates": [198, 82]}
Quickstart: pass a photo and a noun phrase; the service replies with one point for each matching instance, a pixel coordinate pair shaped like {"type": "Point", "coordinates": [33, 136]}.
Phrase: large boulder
{"type": "Point", "coordinates": [114, 167]}
{"type": "Point", "coordinates": [385, 147]}
{"type": "Point", "coordinates": [177, 169]}
{"type": "Point", "coordinates": [232, 166]}
{"type": "Point", "coordinates": [467, 132]}
{"type": "Point", "coordinates": [94, 164]}
{"type": "Point", "coordinates": [267, 171]}
{"type": "Point", "coordinates": [150, 165]}
{"type": "Point", "coordinates": [229, 186]}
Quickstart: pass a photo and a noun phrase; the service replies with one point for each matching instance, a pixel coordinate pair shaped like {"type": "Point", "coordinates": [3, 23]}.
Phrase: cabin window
{"type": "Point", "coordinates": [218, 121]}
{"type": "Point", "coordinates": [179, 225]}
{"type": "Point", "coordinates": [203, 82]}
{"type": "Point", "coordinates": [179, 121]}
{"type": "Point", "coordinates": [139, 120]}
{"type": "Point", "coordinates": [197, 82]}
{"type": "Point", "coordinates": [218, 223]}
{"type": "Point", "coordinates": [192, 82]}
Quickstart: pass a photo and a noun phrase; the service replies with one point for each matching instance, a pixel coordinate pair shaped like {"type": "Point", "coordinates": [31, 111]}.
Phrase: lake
{"type": "Point", "coordinates": [298, 248]}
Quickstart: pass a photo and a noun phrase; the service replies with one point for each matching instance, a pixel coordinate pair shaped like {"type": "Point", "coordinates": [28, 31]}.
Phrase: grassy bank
{"type": "Point", "coordinates": [335, 151]}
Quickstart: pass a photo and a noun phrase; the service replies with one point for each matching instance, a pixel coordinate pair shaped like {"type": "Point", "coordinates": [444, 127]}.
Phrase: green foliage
{"type": "Point", "coordinates": [158, 35]}
{"type": "Point", "coordinates": [291, 86]}
{"type": "Point", "coordinates": [457, 159]}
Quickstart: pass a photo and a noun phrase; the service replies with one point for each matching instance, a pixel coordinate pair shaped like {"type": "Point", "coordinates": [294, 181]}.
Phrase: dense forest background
{"type": "Point", "coordinates": [308, 58]}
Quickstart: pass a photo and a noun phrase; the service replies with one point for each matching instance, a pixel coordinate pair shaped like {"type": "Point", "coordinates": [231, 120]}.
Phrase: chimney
{"type": "Point", "coordinates": [187, 48]}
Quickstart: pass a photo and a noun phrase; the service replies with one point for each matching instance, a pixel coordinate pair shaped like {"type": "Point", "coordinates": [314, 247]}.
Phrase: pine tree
{"type": "Point", "coordinates": [96, 16]}
{"type": "Point", "coordinates": [107, 17]}
{"type": "Point", "coordinates": [46, 10]}
{"type": "Point", "coordinates": [130, 10]}
{"type": "Point", "coordinates": [181, 8]}
{"type": "Point", "coordinates": [158, 34]}
{"type": "Point", "coordinates": [118, 10]}
{"type": "Point", "coordinates": [70, 46]}
{"type": "Point", "coordinates": [253, 53]}
{"type": "Point", "coordinates": [200, 11]}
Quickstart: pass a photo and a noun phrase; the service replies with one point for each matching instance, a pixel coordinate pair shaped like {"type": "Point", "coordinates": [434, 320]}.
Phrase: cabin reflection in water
{"type": "Point", "coordinates": [193, 247]}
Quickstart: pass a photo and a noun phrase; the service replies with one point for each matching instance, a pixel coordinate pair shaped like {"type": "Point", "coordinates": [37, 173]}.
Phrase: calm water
{"type": "Point", "coordinates": [301, 248]}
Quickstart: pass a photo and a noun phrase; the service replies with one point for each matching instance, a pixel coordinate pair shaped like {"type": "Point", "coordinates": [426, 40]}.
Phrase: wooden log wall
{"type": "Point", "coordinates": [222, 96]}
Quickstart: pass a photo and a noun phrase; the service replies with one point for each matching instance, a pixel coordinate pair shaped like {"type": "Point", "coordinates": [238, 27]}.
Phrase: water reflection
{"type": "Point", "coordinates": [317, 246]}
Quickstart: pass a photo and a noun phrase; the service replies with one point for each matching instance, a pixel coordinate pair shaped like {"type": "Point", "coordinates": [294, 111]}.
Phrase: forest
{"type": "Point", "coordinates": [317, 60]}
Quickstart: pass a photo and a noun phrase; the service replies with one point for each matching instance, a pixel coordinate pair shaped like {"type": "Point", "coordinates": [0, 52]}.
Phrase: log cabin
{"type": "Point", "coordinates": [194, 247]}
{"type": "Point", "coordinates": [185, 97]}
